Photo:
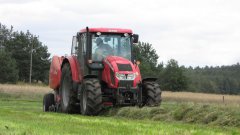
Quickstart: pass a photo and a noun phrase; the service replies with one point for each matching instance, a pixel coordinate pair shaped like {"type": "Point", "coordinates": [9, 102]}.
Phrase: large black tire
{"type": "Point", "coordinates": [67, 93]}
{"type": "Point", "coordinates": [91, 97]}
{"type": "Point", "coordinates": [48, 100]}
{"type": "Point", "coordinates": [152, 94]}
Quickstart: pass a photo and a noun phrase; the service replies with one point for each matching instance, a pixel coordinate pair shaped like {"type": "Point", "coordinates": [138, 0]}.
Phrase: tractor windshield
{"type": "Point", "coordinates": [105, 45]}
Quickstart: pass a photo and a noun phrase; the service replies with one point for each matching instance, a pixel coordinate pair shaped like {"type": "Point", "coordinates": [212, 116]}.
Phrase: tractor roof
{"type": "Point", "coordinates": [108, 30]}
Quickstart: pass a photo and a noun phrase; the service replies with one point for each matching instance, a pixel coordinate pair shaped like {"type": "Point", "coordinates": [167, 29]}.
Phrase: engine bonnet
{"type": "Point", "coordinates": [117, 63]}
{"type": "Point", "coordinates": [114, 65]}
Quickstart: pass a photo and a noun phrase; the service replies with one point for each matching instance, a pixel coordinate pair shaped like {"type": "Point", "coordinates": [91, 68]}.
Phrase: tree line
{"type": "Point", "coordinates": [219, 79]}
{"type": "Point", "coordinates": [15, 56]}
{"type": "Point", "coordinates": [171, 76]}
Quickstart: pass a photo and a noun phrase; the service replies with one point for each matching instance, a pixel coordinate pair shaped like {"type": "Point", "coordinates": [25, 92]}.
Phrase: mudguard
{"type": "Point", "coordinates": [55, 72]}
{"type": "Point", "coordinates": [77, 75]}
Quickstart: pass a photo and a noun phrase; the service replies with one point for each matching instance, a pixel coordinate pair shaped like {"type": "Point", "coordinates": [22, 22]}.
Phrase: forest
{"type": "Point", "coordinates": [223, 79]}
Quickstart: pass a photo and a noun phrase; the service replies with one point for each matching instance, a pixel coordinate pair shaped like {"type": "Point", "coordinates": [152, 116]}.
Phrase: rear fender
{"type": "Point", "coordinates": [75, 68]}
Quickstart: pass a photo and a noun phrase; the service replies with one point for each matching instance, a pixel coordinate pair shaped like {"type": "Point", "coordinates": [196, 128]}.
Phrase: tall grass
{"type": "Point", "coordinates": [27, 90]}
{"type": "Point", "coordinates": [22, 92]}
{"type": "Point", "coordinates": [201, 98]}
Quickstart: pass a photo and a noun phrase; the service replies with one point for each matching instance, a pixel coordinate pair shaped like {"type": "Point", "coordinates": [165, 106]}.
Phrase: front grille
{"type": "Point", "coordinates": [125, 84]}
{"type": "Point", "coordinates": [124, 67]}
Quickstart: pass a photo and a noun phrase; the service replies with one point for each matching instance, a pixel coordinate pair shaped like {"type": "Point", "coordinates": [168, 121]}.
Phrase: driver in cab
{"type": "Point", "coordinates": [102, 50]}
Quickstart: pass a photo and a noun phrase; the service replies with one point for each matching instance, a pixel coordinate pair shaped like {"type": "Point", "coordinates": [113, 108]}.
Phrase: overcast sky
{"type": "Point", "coordinates": [193, 32]}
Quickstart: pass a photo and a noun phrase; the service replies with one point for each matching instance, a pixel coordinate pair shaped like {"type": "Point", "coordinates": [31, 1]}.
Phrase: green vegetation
{"type": "Point", "coordinates": [224, 79]}
{"type": "Point", "coordinates": [208, 114]}
{"type": "Point", "coordinates": [8, 68]}
{"type": "Point", "coordinates": [173, 77]}
{"type": "Point", "coordinates": [21, 113]}
{"type": "Point", "coordinates": [19, 46]}
{"type": "Point", "coordinates": [26, 117]}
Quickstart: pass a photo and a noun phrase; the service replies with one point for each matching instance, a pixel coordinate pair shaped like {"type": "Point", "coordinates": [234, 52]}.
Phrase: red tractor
{"type": "Point", "coordinates": [101, 71]}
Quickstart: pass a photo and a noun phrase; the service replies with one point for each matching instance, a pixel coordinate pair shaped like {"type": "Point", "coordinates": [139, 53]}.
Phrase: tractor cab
{"type": "Point", "coordinates": [110, 44]}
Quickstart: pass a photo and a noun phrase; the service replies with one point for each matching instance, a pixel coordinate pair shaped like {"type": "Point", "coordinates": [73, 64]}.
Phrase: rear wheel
{"type": "Point", "coordinates": [68, 95]}
{"type": "Point", "coordinates": [48, 101]}
{"type": "Point", "coordinates": [152, 94]}
{"type": "Point", "coordinates": [91, 97]}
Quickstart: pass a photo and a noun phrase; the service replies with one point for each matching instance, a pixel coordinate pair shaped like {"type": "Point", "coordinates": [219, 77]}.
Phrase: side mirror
{"type": "Point", "coordinates": [135, 38]}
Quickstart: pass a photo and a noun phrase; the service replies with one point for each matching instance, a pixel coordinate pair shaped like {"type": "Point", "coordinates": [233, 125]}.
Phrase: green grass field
{"type": "Point", "coordinates": [22, 114]}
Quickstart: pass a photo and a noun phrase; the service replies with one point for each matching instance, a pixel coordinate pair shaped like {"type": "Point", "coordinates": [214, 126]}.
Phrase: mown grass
{"type": "Point", "coordinates": [21, 113]}
{"type": "Point", "coordinates": [206, 114]}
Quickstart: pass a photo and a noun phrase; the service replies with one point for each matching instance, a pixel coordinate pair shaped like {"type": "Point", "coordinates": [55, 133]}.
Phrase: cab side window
{"type": "Point", "coordinates": [84, 43]}
{"type": "Point", "coordinates": [74, 49]}
{"type": "Point", "coordinates": [82, 52]}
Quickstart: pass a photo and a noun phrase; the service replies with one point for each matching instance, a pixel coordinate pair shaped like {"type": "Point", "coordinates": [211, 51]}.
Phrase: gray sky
{"type": "Point", "coordinates": [194, 32]}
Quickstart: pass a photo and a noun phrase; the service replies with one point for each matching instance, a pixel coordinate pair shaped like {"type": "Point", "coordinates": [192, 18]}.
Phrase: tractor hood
{"type": "Point", "coordinates": [119, 64]}
{"type": "Point", "coordinates": [118, 71]}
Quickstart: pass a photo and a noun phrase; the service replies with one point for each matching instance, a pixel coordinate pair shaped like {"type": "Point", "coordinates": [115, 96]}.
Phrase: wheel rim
{"type": "Point", "coordinates": [65, 92]}
{"type": "Point", "coordinates": [84, 102]}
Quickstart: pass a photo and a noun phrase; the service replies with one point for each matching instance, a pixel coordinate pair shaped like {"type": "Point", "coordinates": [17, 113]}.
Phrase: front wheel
{"type": "Point", "coordinates": [91, 97]}
{"type": "Point", "coordinates": [152, 94]}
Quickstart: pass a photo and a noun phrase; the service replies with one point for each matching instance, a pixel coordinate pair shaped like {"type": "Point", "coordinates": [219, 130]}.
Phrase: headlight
{"type": "Point", "coordinates": [125, 76]}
